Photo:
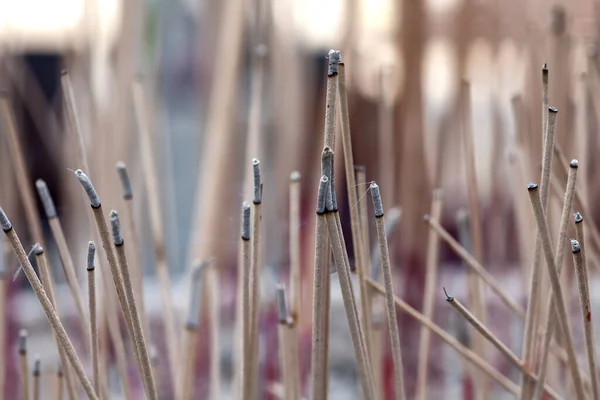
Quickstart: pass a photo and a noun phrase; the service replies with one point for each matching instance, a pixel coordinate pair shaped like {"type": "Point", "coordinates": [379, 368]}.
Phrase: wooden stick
{"type": "Point", "coordinates": [494, 340]}
{"type": "Point", "coordinates": [40, 293]}
{"type": "Point", "coordinates": [433, 246]}
{"type": "Point", "coordinates": [156, 222]}
{"type": "Point", "coordinates": [246, 270]}
{"type": "Point", "coordinates": [290, 382]}
{"type": "Point", "coordinates": [466, 353]}
{"type": "Point", "coordinates": [536, 270]}
{"type": "Point", "coordinates": [389, 292]}
{"type": "Point", "coordinates": [331, 98]}
{"type": "Point", "coordinates": [295, 281]}
{"type": "Point", "coordinates": [586, 312]}
{"type": "Point", "coordinates": [544, 234]}
{"type": "Point", "coordinates": [318, 378]}
{"type": "Point", "coordinates": [73, 118]}
{"type": "Point", "coordinates": [214, 296]}
{"type": "Point", "coordinates": [24, 365]}
{"type": "Point", "coordinates": [92, 306]}
{"type": "Point", "coordinates": [559, 257]}
{"type": "Point", "coordinates": [138, 332]}
{"type": "Point", "coordinates": [58, 392]}
{"type": "Point", "coordinates": [36, 377]}
{"type": "Point", "coordinates": [64, 253]}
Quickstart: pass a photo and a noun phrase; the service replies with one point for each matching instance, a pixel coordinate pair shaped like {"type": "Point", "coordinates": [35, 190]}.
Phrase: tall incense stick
{"type": "Point", "coordinates": [92, 306]}
{"type": "Point", "coordinates": [244, 280]}
{"type": "Point", "coordinates": [36, 377]}
{"type": "Point", "coordinates": [290, 382]}
{"type": "Point", "coordinates": [295, 279]}
{"type": "Point", "coordinates": [24, 365]}
{"type": "Point", "coordinates": [58, 392]}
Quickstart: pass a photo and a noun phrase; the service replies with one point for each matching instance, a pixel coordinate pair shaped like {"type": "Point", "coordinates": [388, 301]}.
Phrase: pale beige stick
{"type": "Point", "coordinates": [58, 392]}
{"type": "Point", "coordinates": [528, 350]}
{"type": "Point", "coordinates": [48, 284]}
{"type": "Point", "coordinates": [36, 377]}
{"type": "Point", "coordinates": [213, 298]}
{"type": "Point", "coordinates": [244, 281]}
{"type": "Point", "coordinates": [190, 338]}
{"type": "Point", "coordinates": [92, 306]}
{"type": "Point", "coordinates": [318, 377]}
{"type": "Point", "coordinates": [65, 255]}
{"type": "Point", "coordinates": [155, 363]}
{"type": "Point", "coordinates": [361, 261]}
{"type": "Point", "coordinates": [475, 285]}
{"type": "Point", "coordinates": [138, 332]}
{"type": "Point", "coordinates": [40, 293]}
{"type": "Point", "coordinates": [433, 246]}
{"type": "Point", "coordinates": [295, 278]}
{"type": "Point", "coordinates": [561, 312]}
{"type": "Point", "coordinates": [20, 167]}
{"type": "Point", "coordinates": [255, 269]}
{"type": "Point", "coordinates": [24, 365]}
{"type": "Point", "coordinates": [559, 258]}
{"type": "Point", "coordinates": [73, 118]}
{"type": "Point", "coordinates": [586, 313]}
{"type": "Point", "coordinates": [290, 382]}
{"type": "Point", "coordinates": [389, 292]}
{"type": "Point", "coordinates": [331, 98]}
{"type": "Point", "coordinates": [494, 340]}
{"type": "Point", "coordinates": [156, 222]}
{"type": "Point", "coordinates": [466, 353]}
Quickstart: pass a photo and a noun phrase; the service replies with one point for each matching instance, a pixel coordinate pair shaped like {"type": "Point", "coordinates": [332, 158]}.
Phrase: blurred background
{"type": "Point", "coordinates": [210, 70]}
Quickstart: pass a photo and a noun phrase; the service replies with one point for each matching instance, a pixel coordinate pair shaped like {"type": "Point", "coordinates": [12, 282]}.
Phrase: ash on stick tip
{"type": "Point", "coordinates": [125, 181]}
{"type": "Point", "coordinates": [88, 187]}
{"type": "Point", "coordinates": [38, 249]}
{"type": "Point", "coordinates": [59, 371]}
{"type": "Point", "coordinates": [64, 72]}
{"type": "Point", "coordinates": [334, 61]}
{"type": "Point", "coordinates": [261, 50]}
{"type": "Point", "coordinates": [90, 255]}
{"type": "Point", "coordinates": [578, 217]}
{"type": "Point", "coordinates": [553, 109]}
{"type": "Point", "coordinates": [46, 198]}
{"type": "Point", "coordinates": [448, 297]}
{"type": "Point", "coordinates": [545, 68]}
{"type": "Point", "coordinates": [36, 365]}
{"type": "Point", "coordinates": [360, 168]}
{"type": "Point", "coordinates": [322, 194]}
{"type": "Point", "coordinates": [574, 164]}
{"type": "Point", "coordinates": [257, 199]}
{"type": "Point", "coordinates": [282, 310]}
{"type": "Point", "coordinates": [23, 341]}
{"type": "Point", "coordinates": [4, 221]}
{"type": "Point", "coordinates": [116, 228]}
{"type": "Point", "coordinates": [245, 221]}
{"type": "Point", "coordinates": [295, 176]}
{"type": "Point", "coordinates": [438, 193]}
{"type": "Point", "coordinates": [532, 186]}
{"type": "Point", "coordinates": [376, 196]}
{"type": "Point", "coordinates": [575, 247]}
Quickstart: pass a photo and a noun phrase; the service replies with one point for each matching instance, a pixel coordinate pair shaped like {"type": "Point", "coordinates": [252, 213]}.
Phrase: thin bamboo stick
{"type": "Point", "coordinates": [73, 118]}
{"type": "Point", "coordinates": [290, 382]}
{"type": "Point", "coordinates": [213, 297]}
{"type": "Point", "coordinates": [36, 377]}
{"type": "Point", "coordinates": [58, 392]}
{"type": "Point", "coordinates": [244, 281]}
{"type": "Point", "coordinates": [295, 281]}
{"type": "Point", "coordinates": [24, 365]}
{"type": "Point", "coordinates": [92, 307]}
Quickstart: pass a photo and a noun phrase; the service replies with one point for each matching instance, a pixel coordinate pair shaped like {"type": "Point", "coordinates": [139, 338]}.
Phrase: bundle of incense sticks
{"type": "Point", "coordinates": [367, 277]}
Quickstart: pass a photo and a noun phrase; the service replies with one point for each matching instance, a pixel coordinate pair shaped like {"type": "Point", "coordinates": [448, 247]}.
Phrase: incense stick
{"type": "Point", "coordinates": [24, 364]}
{"type": "Point", "coordinates": [295, 281]}
{"type": "Point", "coordinates": [40, 293]}
{"type": "Point", "coordinates": [559, 257]}
{"type": "Point", "coordinates": [544, 235]}
{"type": "Point", "coordinates": [389, 292]}
{"type": "Point", "coordinates": [36, 377]}
{"type": "Point", "coordinates": [65, 255]}
{"type": "Point", "coordinates": [494, 340]}
{"type": "Point", "coordinates": [245, 269]}
{"type": "Point", "coordinates": [92, 306]}
{"type": "Point", "coordinates": [138, 332]}
{"type": "Point", "coordinates": [466, 353]}
{"type": "Point", "coordinates": [58, 392]}
{"type": "Point", "coordinates": [586, 313]}
{"type": "Point", "coordinates": [73, 117]}
{"type": "Point", "coordinates": [433, 245]}
{"type": "Point", "coordinates": [214, 294]}
{"type": "Point", "coordinates": [331, 98]}
{"type": "Point", "coordinates": [285, 356]}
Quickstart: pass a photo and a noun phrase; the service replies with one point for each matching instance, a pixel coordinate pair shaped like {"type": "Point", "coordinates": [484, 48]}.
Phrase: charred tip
{"type": "Point", "coordinates": [448, 297]}
{"type": "Point", "coordinates": [23, 342]}
{"type": "Point", "coordinates": [552, 109]}
{"type": "Point", "coordinates": [116, 228]}
{"type": "Point", "coordinates": [125, 181]}
{"type": "Point", "coordinates": [323, 195]}
{"type": "Point", "coordinates": [4, 221]}
{"type": "Point", "coordinates": [377, 203]}
{"type": "Point", "coordinates": [64, 72]}
{"type": "Point", "coordinates": [86, 183]}
{"type": "Point", "coordinates": [545, 68]}
{"type": "Point", "coordinates": [282, 310]}
{"type": "Point", "coordinates": [426, 218]}
{"type": "Point", "coordinates": [90, 255]}
{"type": "Point", "coordinates": [45, 198]}
{"type": "Point", "coordinates": [574, 164]}
{"type": "Point", "coordinates": [327, 169]}
{"type": "Point", "coordinates": [38, 249]}
{"type": "Point", "coordinates": [37, 365]}
{"type": "Point", "coordinates": [532, 186]}
{"type": "Point", "coordinates": [360, 168]}
{"type": "Point", "coordinates": [245, 221]}
{"type": "Point", "coordinates": [334, 61]}
{"type": "Point", "coordinates": [295, 176]}
{"type": "Point", "coordinates": [257, 199]}
{"type": "Point", "coordinates": [578, 217]}
{"type": "Point", "coordinates": [575, 247]}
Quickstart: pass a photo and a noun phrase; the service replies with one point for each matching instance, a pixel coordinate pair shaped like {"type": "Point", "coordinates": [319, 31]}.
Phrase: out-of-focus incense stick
{"type": "Point", "coordinates": [24, 365]}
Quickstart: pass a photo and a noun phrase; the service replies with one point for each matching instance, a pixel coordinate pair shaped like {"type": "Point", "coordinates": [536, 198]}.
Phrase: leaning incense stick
{"type": "Point", "coordinates": [40, 293]}
{"type": "Point", "coordinates": [24, 365]}
{"type": "Point", "coordinates": [138, 332]}
{"type": "Point", "coordinates": [389, 292]}
{"type": "Point", "coordinates": [244, 281]}
{"type": "Point", "coordinates": [318, 379]}
{"type": "Point", "coordinates": [331, 98]}
{"type": "Point", "coordinates": [561, 312]}
{"type": "Point", "coordinates": [20, 167]}
{"type": "Point", "coordinates": [493, 339]}
{"type": "Point", "coordinates": [92, 306]}
{"type": "Point", "coordinates": [433, 245]}
{"type": "Point", "coordinates": [466, 353]}
{"type": "Point", "coordinates": [559, 257]}
{"type": "Point", "coordinates": [63, 251]}
{"type": "Point", "coordinates": [586, 312]}
{"type": "Point", "coordinates": [156, 222]}
{"type": "Point", "coordinates": [36, 377]}
{"type": "Point", "coordinates": [536, 270]}
{"type": "Point", "coordinates": [73, 118]}
{"type": "Point", "coordinates": [285, 356]}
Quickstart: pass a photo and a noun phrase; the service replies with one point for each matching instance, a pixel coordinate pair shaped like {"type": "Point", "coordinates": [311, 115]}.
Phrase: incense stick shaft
{"type": "Point", "coordinates": [93, 328]}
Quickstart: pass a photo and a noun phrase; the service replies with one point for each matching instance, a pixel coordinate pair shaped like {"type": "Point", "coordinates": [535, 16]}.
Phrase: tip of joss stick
{"type": "Point", "coordinates": [448, 297]}
{"type": "Point", "coordinates": [59, 371]}
{"type": "Point", "coordinates": [438, 193]}
{"type": "Point", "coordinates": [38, 249]}
{"type": "Point", "coordinates": [360, 168]}
{"type": "Point", "coordinates": [327, 169]}
{"type": "Point", "coordinates": [192, 321]}
{"type": "Point", "coordinates": [245, 221]}
{"type": "Point", "coordinates": [282, 310]}
{"type": "Point", "coordinates": [578, 217]}
{"type": "Point", "coordinates": [295, 176]}
{"type": "Point", "coordinates": [574, 164]}
{"type": "Point", "coordinates": [4, 221]}
{"type": "Point", "coordinates": [261, 50]}
{"type": "Point", "coordinates": [91, 253]}
{"type": "Point", "coordinates": [322, 194]}
{"type": "Point", "coordinates": [37, 365]}
{"type": "Point", "coordinates": [462, 215]}
{"type": "Point", "coordinates": [532, 186]}
{"type": "Point", "coordinates": [125, 181]}
{"type": "Point", "coordinates": [376, 196]}
{"type": "Point", "coordinates": [426, 218]}
{"type": "Point", "coordinates": [23, 341]}
{"type": "Point", "coordinates": [545, 68]}
{"type": "Point", "coordinates": [64, 72]}
{"type": "Point", "coordinates": [257, 198]}
{"type": "Point", "coordinates": [46, 198]}
{"type": "Point", "coordinates": [86, 183]}
{"type": "Point", "coordinates": [334, 60]}
{"type": "Point", "coordinates": [553, 109]}
{"type": "Point", "coordinates": [116, 228]}
{"type": "Point", "coordinates": [575, 247]}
